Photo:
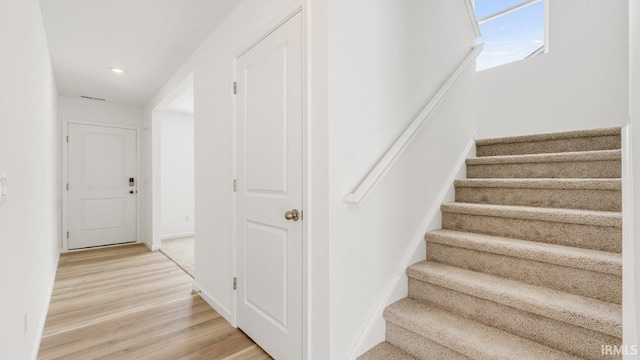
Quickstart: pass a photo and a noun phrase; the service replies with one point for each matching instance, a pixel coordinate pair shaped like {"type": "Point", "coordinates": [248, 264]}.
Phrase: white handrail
{"type": "Point", "coordinates": [356, 197]}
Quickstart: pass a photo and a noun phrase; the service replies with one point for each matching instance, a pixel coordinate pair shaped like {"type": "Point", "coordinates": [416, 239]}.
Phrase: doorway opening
{"type": "Point", "coordinates": [173, 123]}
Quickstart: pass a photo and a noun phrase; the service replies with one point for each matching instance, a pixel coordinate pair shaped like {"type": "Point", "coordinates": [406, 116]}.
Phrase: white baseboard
{"type": "Point", "coordinates": [396, 288]}
{"type": "Point", "coordinates": [214, 303]}
{"type": "Point", "coordinates": [175, 236]}
{"type": "Point", "coordinates": [43, 320]}
{"type": "Point", "coordinates": [152, 247]}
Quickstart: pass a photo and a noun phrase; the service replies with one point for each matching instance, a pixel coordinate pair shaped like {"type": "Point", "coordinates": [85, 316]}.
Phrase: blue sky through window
{"type": "Point", "coordinates": [511, 37]}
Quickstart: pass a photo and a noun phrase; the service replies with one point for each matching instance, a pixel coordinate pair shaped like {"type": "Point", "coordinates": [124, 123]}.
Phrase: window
{"type": "Point", "coordinates": [512, 30]}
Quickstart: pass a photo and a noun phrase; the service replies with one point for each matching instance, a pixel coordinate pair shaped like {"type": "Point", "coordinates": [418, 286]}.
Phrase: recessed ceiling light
{"type": "Point", "coordinates": [117, 71]}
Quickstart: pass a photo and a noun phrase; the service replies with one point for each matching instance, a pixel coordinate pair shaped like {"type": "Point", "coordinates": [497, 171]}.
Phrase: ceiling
{"type": "Point", "coordinates": [148, 39]}
{"type": "Point", "coordinates": [183, 104]}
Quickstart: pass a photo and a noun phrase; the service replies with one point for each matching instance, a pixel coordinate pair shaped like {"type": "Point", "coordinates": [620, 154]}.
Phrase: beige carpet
{"type": "Point", "coordinates": [528, 262]}
{"type": "Point", "coordinates": [181, 252]}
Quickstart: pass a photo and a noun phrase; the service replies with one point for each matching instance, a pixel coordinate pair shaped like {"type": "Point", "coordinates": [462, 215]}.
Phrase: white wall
{"type": "Point", "coordinates": [386, 60]}
{"type": "Point", "coordinates": [177, 174]}
{"type": "Point", "coordinates": [29, 148]}
{"type": "Point", "coordinates": [76, 108]}
{"type": "Point", "coordinates": [380, 75]}
{"type": "Point", "coordinates": [634, 110]}
{"type": "Point", "coordinates": [580, 84]}
{"type": "Point", "coordinates": [317, 226]}
{"type": "Point", "coordinates": [211, 66]}
{"type": "Point", "coordinates": [212, 81]}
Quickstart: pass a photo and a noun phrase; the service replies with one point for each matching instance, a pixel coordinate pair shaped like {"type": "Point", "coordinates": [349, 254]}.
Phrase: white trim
{"type": "Point", "coordinates": [156, 158]}
{"type": "Point", "coordinates": [286, 15]}
{"type": "Point", "coordinates": [232, 207]}
{"type": "Point", "coordinates": [471, 11]}
{"type": "Point", "coordinates": [629, 326]}
{"type": "Point", "coordinates": [176, 236]}
{"type": "Point", "coordinates": [43, 320]}
{"type": "Point", "coordinates": [185, 84]}
{"type": "Point", "coordinates": [355, 198]}
{"type": "Point", "coordinates": [226, 314]}
{"type": "Point", "coordinates": [152, 247]}
{"type": "Point", "coordinates": [547, 7]}
{"type": "Point", "coordinates": [316, 333]}
{"type": "Point", "coordinates": [65, 177]}
{"type": "Point", "coordinates": [457, 172]}
{"type": "Point", "coordinates": [305, 185]}
{"type": "Point", "coordinates": [507, 11]}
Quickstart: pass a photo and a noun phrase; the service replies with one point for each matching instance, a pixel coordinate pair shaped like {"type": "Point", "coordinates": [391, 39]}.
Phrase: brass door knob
{"type": "Point", "coordinates": [292, 215]}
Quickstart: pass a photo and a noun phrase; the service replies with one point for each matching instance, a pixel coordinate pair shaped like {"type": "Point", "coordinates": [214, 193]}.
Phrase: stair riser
{"type": "Point", "coordinates": [598, 200]}
{"type": "Point", "coordinates": [418, 346]}
{"type": "Point", "coordinates": [576, 235]}
{"type": "Point", "coordinates": [611, 142]}
{"type": "Point", "coordinates": [592, 284]}
{"type": "Point", "coordinates": [562, 336]}
{"type": "Point", "coordinates": [574, 169]}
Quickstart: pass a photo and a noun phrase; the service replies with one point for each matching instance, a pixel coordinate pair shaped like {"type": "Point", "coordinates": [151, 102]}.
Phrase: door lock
{"type": "Point", "coordinates": [292, 215]}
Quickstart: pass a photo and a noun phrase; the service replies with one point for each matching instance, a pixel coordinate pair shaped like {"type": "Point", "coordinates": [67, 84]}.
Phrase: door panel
{"type": "Point", "coordinates": [269, 183]}
{"type": "Point", "coordinates": [103, 160]}
{"type": "Point", "coordinates": [266, 277]}
{"type": "Point", "coordinates": [102, 204]}
{"type": "Point", "coordinates": [266, 123]}
{"type": "Point", "coordinates": [101, 214]}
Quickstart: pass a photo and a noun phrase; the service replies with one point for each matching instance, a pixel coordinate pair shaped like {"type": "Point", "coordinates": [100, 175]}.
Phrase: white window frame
{"type": "Point", "coordinates": [518, 7]}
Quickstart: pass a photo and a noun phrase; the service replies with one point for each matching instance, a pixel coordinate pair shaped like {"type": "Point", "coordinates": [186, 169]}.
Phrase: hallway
{"type": "Point", "coordinates": [130, 303]}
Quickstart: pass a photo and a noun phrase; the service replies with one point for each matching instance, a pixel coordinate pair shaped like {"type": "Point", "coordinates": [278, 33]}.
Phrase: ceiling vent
{"type": "Point", "coordinates": [92, 98]}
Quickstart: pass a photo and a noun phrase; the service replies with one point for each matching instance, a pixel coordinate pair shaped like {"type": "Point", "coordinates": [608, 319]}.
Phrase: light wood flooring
{"type": "Point", "coordinates": [129, 303]}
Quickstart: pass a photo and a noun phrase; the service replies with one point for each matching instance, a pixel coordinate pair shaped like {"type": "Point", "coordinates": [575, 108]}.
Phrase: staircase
{"type": "Point", "coordinates": [528, 262]}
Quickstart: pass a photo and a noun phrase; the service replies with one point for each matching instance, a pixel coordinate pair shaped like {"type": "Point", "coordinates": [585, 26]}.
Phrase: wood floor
{"type": "Point", "coordinates": [129, 303]}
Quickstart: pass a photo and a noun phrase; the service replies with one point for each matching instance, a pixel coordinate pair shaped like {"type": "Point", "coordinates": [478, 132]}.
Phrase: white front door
{"type": "Point", "coordinates": [102, 201]}
{"type": "Point", "coordinates": [269, 183]}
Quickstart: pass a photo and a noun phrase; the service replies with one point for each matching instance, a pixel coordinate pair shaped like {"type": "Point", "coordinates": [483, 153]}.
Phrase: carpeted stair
{"type": "Point", "coordinates": [528, 264]}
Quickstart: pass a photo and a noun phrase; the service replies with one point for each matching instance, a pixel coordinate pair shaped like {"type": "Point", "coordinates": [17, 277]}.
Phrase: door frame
{"type": "Point", "coordinates": [286, 15]}
{"type": "Point", "coordinates": [155, 158]}
{"type": "Point", "coordinates": [64, 164]}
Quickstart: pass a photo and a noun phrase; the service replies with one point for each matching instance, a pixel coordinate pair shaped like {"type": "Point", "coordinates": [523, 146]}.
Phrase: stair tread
{"type": "Point", "coordinates": [574, 309]}
{"type": "Point", "coordinates": [541, 183]}
{"type": "Point", "coordinates": [466, 336]}
{"type": "Point", "coordinates": [586, 259]}
{"type": "Point", "coordinates": [596, 155]}
{"type": "Point", "coordinates": [558, 215]}
{"type": "Point", "coordinates": [385, 351]}
{"type": "Point", "coordinates": [550, 136]}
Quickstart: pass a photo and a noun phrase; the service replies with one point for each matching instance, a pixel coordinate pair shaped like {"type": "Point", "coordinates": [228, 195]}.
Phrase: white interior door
{"type": "Point", "coordinates": [102, 202]}
{"type": "Point", "coordinates": [269, 175]}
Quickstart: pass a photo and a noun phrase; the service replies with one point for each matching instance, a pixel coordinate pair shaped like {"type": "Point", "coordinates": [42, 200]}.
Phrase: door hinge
{"type": "Point", "coordinates": [235, 87]}
{"type": "Point", "coordinates": [235, 185]}
{"type": "Point", "coordinates": [67, 138]}
{"type": "Point", "coordinates": [235, 283]}
{"type": "Point", "coordinates": [67, 186]}
{"type": "Point", "coordinates": [67, 234]}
